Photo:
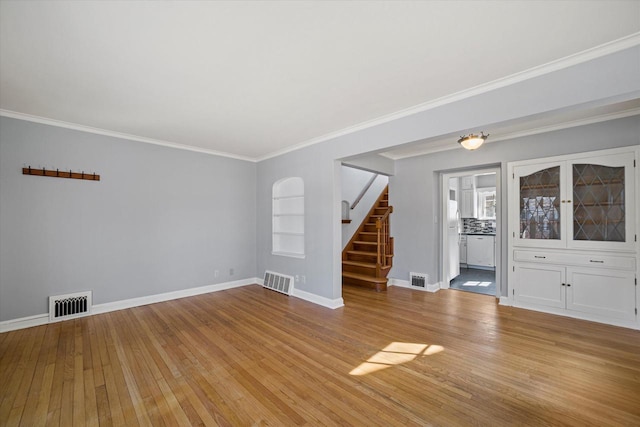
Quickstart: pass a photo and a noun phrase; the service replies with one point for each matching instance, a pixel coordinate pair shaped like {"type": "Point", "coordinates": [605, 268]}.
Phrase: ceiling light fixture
{"type": "Point", "coordinates": [471, 141]}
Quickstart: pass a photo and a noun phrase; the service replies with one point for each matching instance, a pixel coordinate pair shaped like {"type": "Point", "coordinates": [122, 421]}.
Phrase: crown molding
{"type": "Point", "coordinates": [614, 46]}
{"type": "Point", "coordinates": [120, 135]}
{"type": "Point", "coordinates": [578, 58]}
{"type": "Point", "coordinates": [446, 145]}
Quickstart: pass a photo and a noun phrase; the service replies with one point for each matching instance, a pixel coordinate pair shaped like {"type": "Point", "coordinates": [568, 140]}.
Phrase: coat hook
{"type": "Point", "coordinates": [57, 172]}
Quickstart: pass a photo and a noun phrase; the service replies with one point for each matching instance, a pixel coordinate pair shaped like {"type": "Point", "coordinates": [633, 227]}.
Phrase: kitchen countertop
{"type": "Point", "coordinates": [479, 234]}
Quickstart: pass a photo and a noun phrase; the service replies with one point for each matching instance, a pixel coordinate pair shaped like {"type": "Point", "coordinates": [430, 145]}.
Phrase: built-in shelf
{"type": "Point", "coordinates": [288, 217]}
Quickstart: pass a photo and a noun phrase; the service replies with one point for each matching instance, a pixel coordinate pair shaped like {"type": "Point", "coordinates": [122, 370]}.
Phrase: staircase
{"type": "Point", "coordinates": [367, 258]}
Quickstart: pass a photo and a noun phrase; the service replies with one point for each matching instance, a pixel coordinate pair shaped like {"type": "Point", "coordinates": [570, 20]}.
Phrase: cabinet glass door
{"type": "Point", "coordinates": [539, 196]}
{"type": "Point", "coordinates": [600, 206]}
{"type": "Point", "coordinates": [598, 203]}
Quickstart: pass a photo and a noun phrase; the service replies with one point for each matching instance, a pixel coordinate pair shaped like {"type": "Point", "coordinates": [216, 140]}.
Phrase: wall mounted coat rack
{"type": "Point", "coordinates": [60, 174]}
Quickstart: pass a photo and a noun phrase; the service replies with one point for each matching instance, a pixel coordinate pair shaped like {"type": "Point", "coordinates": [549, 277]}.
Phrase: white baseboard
{"type": "Point", "coordinates": [43, 319]}
{"type": "Point", "coordinates": [24, 322]}
{"type": "Point", "coordinates": [505, 301]}
{"type": "Point", "coordinates": [136, 302]}
{"type": "Point", "coordinates": [431, 287]}
{"type": "Point", "coordinates": [316, 299]}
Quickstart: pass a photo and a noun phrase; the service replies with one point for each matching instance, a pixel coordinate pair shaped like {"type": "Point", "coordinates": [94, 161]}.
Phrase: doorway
{"type": "Point", "coordinates": [471, 231]}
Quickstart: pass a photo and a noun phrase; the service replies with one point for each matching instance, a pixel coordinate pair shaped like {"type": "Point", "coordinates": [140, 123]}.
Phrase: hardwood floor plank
{"type": "Point", "coordinates": [249, 356]}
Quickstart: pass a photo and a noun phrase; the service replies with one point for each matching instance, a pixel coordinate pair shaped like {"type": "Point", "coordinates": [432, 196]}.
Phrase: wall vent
{"type": "Point", "coordinates": [69, 306]}
{"type": "Point", "coordinates": [418, 280]}
{"type": "Point", "coordinates": [278, 282]}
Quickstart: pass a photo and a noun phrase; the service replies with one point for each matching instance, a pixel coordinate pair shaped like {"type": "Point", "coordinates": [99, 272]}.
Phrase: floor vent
{"type": "Point", "coordinates": [278, 282]}
{"type": "Point", "coordinates": [62, 307]}
{"type": "Point", "coordinates": [418, 280]}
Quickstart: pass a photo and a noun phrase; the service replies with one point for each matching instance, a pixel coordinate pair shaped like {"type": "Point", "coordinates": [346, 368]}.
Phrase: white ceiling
{"type": "Point", "coordinates": [252, 79]}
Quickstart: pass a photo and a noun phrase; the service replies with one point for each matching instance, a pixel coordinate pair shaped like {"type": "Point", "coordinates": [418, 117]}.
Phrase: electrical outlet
{"type": "Point", "coordinates": [297, 278]}
{"type": "Point", "coordinates": [231, 272]}
{"type": "Point", "coordinates": [216, 273]}
{"type": "Point", "coordinates": [304, 279]}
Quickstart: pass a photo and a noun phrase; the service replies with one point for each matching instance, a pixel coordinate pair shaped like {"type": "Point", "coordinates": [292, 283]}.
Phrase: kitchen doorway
{"type": "Point", "coordinates": [471, 231]}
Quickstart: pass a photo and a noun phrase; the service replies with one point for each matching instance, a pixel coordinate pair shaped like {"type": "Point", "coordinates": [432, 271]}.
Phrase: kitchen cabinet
{"type": "Point", "coordinates": [481, 251]}
{"type": "Point", "coordinates": [463, 249]}
{"type": "Point", "coordinates": [468, 198]}
{"type": "Point", "coordinates": [467, 182]}
{"type": "Point", "coordinates": [468, 204]}
{"type": "Point", "coordinates": [572, 236]}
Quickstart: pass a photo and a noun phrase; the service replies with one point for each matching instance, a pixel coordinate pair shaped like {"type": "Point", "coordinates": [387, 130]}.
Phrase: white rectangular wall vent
{"type": "Point", "coordinates": [418, 280]}
{"type": "Point", "coordinates": [69, 306]}
{"type": "Point", "coordinates": [278, 282]}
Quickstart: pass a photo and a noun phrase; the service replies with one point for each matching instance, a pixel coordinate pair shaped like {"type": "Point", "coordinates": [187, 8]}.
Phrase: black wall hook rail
{"type": "Point", "coordinates": [58, 174]}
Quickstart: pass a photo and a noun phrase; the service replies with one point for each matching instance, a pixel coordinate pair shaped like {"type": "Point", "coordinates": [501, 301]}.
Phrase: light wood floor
{"type": "Point", "coordinates": [250, 356]}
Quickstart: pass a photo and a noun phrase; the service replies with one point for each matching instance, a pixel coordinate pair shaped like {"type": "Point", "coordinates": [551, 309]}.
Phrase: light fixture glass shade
{"type": "Point", "coordinates": [471, 141]}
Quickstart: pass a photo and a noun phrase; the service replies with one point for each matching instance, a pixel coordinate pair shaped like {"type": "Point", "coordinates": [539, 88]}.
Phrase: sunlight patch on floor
{"type": "Point", "coordinates": [476, 283]}
{"type": "Point", "coordinates": [394, 354]}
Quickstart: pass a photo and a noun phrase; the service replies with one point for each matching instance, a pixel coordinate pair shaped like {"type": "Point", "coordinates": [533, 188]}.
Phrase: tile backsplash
{"type": "Point", "coordinates": [472, 225]}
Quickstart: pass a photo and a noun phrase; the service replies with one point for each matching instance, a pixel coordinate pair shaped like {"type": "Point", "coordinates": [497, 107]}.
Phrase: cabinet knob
{"type": "Point", "coordinates": [568, 284]}
{"type": "Point", "coordinates": [562, 284]}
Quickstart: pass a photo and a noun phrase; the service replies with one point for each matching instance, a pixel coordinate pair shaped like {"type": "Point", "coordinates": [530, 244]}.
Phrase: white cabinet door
{"type": "Point", "coordinates": [463, 250]}
{"type": "Point", "coordinates": [540, 285]}
{"type": "Point", "coordinates": [538, 205]}
{"type": "Point", "coordinates": [609, 293]}
{"type": "Point", "coordinates": [481, 251]}
{"type": "Point", "coordinates": [602, 202]}
{"type": "Point", "coordinates": [467, 182]}
{"type": "Point", "coordinates": [468, 207]}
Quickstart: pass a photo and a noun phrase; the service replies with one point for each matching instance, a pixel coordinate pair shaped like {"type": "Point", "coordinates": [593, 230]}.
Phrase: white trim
{"type": "Point", "coordinates": [614, 46]}
{"type": "Point", "coordinates": [447, 145]}
{"type": "Point", "coordinates": [431, 287]}
{"type": "Point", "coordinates": [313, 298]}
{"type": "Point", "coordinates": [505, 301]}
{"type": "Point", "coordinates": [317, 299]}
{"type": "Point", "coordinates": [43, 319]}
{"type": "Point", "coordinates": [168, 296]}
{"type": "Point", "coordinates": [24, 322]}
{"type": "Point", "coordinates": [120, 135]}
{"type": "Point", "coordinates": [577, 315]}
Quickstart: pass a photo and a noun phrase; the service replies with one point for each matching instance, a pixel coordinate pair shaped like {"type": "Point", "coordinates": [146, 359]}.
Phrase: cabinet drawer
{"type": "Point", "coordinates": [591, 260]}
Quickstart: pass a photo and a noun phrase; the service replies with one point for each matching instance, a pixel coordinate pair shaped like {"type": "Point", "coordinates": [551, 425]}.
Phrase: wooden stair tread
{"type": "Point", "coordinates": [359, 263]}
{"type": "Point", "coordinates": [362, 253]}
{"type": "Point", "coordinates": [362, 242]}
{"type": "Point", "coordinates": [364, 277]}
{"type": "Point", "coordinates": [366, 253]}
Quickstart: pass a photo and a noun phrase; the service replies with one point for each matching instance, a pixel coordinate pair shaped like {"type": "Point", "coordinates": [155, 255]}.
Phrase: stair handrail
{"type": "Point", "coordinates": [364, 191]}
{"type": "Point", "coordinates": [383, 244]}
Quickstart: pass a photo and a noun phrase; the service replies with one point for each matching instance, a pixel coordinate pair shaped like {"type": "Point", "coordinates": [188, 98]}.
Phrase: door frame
{"type": "Point", "coordinates": [444, 206]}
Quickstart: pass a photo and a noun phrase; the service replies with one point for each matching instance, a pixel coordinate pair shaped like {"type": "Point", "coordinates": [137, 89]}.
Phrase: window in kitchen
{"type": "Point", "coordinates": [487, 203]}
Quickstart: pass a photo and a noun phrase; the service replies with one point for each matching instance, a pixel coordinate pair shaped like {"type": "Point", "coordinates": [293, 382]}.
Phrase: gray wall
{"type": "Point", "coordinates": [159, 220]}
{"type": "Point", "coordinates": [614, 77]}
{"type": "Point", "coordinates": [414, 191]}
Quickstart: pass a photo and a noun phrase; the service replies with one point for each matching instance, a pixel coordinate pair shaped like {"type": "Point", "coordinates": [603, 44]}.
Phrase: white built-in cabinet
{"type": "Point", "coordinates": [572, 235]}
{"type": "Point", "coordinates": [288, 217]}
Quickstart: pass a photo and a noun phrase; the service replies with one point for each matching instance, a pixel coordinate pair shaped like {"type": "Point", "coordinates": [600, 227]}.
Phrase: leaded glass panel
{"type": "Point", "coordinates": [540, 205]}
{"type": "Point", "coordinates": [598, 203]}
